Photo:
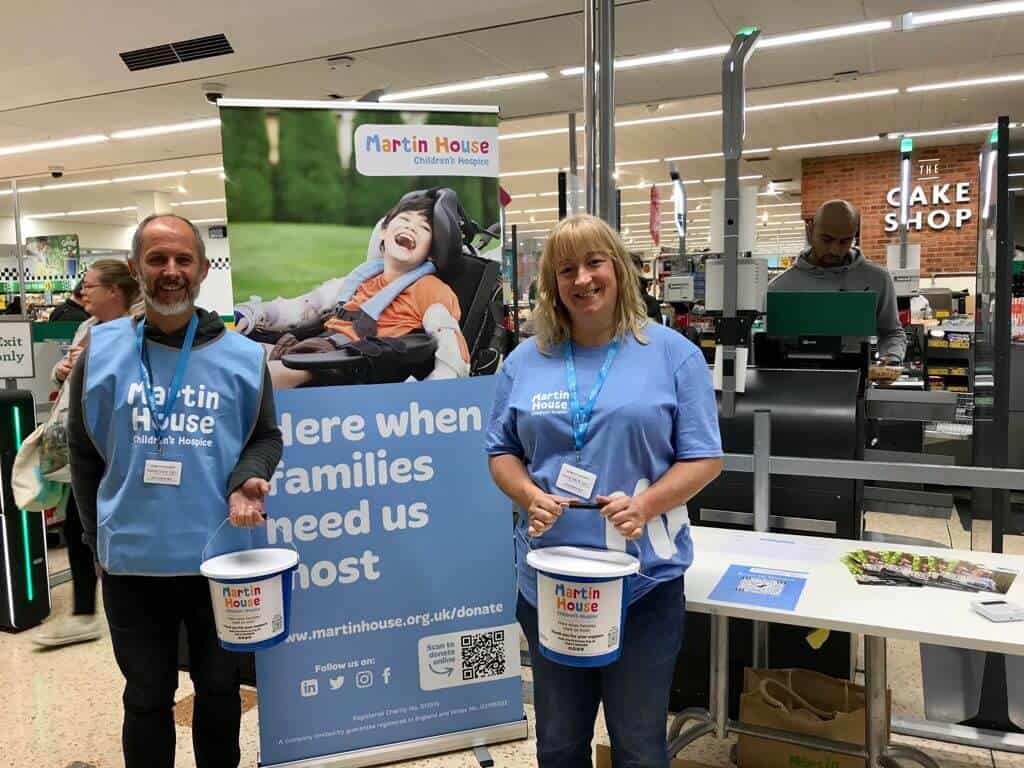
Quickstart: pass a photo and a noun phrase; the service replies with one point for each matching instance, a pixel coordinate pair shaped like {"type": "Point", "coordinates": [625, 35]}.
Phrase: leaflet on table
{"type": "Point", "coordinates": [898, 568]}
{"type": "Point", "coordinates": [775, 546]}
{"type": "Point", "coordinates": [763, 587]}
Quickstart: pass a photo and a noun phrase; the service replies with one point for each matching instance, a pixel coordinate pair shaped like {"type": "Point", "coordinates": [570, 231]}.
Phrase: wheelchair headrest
{"type": "Point", "coordinates": [448, 230]}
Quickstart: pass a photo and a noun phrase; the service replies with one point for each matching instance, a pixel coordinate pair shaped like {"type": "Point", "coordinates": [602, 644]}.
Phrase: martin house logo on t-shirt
{"type": "Point", "coordinates": [550, 402]}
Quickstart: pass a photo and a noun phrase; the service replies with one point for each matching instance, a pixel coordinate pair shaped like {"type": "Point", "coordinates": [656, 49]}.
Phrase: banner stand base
{"type": "Point", "coordinates": [408, 750]}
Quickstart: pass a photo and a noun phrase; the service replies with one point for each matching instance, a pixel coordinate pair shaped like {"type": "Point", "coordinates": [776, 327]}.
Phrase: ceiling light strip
{"type": "Point", "coordinates": [716, 113]}
{"type": "Point", "coordinates": [833, 143]}
{"type": "Point", "coordinates": [148, 176]}
{"type": "Point", "coordinates": [774, 41]}
{"type": "Point", "coordinates": [531, 134]}
{"type": "Point", "coordinates": [62, 214]}
{"type": "Point", "coordinates": [668, 57]}
{"type": "Point", "coordinates": [825, 100]}
{"type": "Point", "coordinates": [482, 84]}
{"type": "Point", "coordinates": [160, 130]}
{"type": "Point", "coordinates": [209, 201]}
{"type": "Point", "coordinates": [338, 106]}
{"type": "Point", "coordinates": [710, 155]}
{"type": "Point", "coordinates": [668, 118]}
{"type": "Point", "coordinates": [748, 177]}
{"type": "Point", "coordinates": [997, 80]}
{"type": "Point", "coordinates": [509, 174]}
{"type": "Point", "coordinates": [38, 146]}
{"type": "Point", "coordinates": [825, 33]}
{"type": "Point", "coordinates": [942, 131]}
{"type": "Point", "coordinates": [966, 13]}
{"type": "Point", "coordinates": [101, 210]}
{"type": "Point", "coordinates": [69, 185]}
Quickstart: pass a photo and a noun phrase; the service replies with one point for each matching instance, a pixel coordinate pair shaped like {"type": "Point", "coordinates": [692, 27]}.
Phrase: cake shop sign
{"type": "Point", "coordinates": [950, 206]}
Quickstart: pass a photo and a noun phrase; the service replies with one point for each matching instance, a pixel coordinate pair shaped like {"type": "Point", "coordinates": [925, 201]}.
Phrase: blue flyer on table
{"type": "Point", "coordinates": [763, 587]}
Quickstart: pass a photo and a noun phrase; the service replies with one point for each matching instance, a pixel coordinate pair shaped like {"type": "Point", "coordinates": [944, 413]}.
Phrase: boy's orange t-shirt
{"type": "Point", "coordinates": [404, 314]}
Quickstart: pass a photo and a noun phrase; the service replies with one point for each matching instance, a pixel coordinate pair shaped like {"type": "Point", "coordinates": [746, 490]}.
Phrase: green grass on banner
{"type": "Point", "coordinates": [278, 259]}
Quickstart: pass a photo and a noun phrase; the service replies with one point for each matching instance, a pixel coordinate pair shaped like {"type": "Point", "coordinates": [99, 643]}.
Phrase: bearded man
{"type": "Point", "coordinates": [172, 432]}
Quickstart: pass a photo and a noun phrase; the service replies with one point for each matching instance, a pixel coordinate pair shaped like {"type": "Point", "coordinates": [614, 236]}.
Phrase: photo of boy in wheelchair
{"type": "Point", "coordinates": [394, 318]}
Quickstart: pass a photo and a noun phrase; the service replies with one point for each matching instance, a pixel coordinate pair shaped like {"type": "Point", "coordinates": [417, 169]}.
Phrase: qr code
{"type": "Point", "coordinates": [759, 585]}
{"type": "Point", "coordinates": [276, 623]}
{"type": "Point", "coordinates": [483, 655]}
{"type": "Point", "coordinates": [613, 637]}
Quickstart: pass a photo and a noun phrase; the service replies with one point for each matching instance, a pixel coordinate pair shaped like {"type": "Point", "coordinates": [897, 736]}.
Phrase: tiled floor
{"type": "Point", "coordinates": [64, 705]}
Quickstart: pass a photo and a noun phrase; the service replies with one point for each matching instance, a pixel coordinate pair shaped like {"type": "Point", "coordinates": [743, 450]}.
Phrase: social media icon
{"type": "Point", "coordinates": [336, 682]}
{"type": "Point", "coordinates": [309, 688]}
{"type": "Point", "coordinates": [386, 674]}
{"type": "Point", "coordinates": [364, 678]}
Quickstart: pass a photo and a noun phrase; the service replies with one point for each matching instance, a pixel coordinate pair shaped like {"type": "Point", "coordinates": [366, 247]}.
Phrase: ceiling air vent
{"type": "Point", "coordinates": [174, 53]}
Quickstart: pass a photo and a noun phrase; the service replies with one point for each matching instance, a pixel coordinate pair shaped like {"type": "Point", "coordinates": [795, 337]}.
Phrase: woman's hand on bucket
{"type": "Point", "coordinates": [627, 513]}
{"type": "Point", "coordinates": [544, 511]}
{"type": "Point", "coordinates": [245, 504]}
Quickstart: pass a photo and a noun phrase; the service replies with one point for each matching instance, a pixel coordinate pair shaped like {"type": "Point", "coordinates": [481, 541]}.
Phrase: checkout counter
{"type": "Point", "coordinates": [810, 372]}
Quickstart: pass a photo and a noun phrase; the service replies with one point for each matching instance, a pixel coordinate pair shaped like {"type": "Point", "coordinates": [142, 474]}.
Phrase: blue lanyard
{"type": "Point", "coordinates": [581, 416]}
{"type": "Point", "coordinates": [160, 421]}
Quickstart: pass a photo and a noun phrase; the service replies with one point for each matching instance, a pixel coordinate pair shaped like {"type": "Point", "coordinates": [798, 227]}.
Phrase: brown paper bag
{"type": "Point", "coordinates": [804, 702]}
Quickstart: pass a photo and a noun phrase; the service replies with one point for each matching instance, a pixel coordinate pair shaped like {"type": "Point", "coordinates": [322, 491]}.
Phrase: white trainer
{"type": "Point", "coordinates": [68, 630]}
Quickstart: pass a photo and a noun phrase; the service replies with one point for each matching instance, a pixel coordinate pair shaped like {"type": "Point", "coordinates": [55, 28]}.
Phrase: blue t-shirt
{"type": "Point", "coordinates": [657, 407]}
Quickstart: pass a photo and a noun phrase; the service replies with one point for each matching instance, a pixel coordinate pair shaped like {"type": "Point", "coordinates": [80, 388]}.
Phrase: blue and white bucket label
{"type": "Point", "coordinates": [249, 612]}
{"type": "Point", "coordinates": [577, 618]}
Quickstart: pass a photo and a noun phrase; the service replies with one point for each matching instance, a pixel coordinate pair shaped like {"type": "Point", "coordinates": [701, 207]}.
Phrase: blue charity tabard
{"type": "Point", "coordinates": [161, 530]}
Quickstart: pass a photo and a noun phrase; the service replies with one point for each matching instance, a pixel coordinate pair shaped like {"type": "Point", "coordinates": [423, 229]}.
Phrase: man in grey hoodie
{"type": "Point", "coordinates": [834, 263]}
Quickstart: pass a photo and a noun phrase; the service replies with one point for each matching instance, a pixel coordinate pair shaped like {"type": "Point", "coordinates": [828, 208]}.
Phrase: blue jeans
{"type": "Point", "coordinates": [634, 689]}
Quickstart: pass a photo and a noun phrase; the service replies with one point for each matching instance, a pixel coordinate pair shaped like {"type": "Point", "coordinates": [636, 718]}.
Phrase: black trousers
{"type": "Point", "coordinates": [83, 570]}
{"type": "Point", "coordinates": [145, 614]}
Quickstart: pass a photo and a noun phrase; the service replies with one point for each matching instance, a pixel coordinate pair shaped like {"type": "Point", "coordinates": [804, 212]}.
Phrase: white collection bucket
{"type": "Point", "coordinates": [582, 596]}
{"type": "Point", "coordinates": [251, 592]}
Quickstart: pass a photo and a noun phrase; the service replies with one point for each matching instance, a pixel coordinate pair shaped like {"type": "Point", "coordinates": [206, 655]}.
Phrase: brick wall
{"type": "Point", "coordinates": [865, 180]}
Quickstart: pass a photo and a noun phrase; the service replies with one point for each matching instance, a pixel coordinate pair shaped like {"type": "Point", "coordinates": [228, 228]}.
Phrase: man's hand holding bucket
{"type": "Point", "coordinates": [245, 504]}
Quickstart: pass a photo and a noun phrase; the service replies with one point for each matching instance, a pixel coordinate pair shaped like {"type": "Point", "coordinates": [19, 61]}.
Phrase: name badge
{"type": "Point", "coordinates": [576, 481]}
{"type": "Point", "coordinates": [162, 472]}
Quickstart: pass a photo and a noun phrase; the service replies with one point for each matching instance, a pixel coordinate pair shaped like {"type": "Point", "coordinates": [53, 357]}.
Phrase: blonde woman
{"type": "Point", "coordinates": [108, 292]}
{"type": "Point", "coordinates": [602, 393]}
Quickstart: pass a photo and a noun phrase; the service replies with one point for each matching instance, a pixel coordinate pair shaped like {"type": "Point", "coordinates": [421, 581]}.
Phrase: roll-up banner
{"type": "Point", "coordinates": [365, 256]}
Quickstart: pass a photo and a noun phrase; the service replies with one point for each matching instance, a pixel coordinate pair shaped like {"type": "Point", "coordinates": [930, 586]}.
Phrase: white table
{"type": "Point", "coordinates": [832, 599]}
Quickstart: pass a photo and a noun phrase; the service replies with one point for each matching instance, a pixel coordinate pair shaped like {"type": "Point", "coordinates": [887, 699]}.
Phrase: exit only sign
{"type": "Point", "coordinates": [16, 361]}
